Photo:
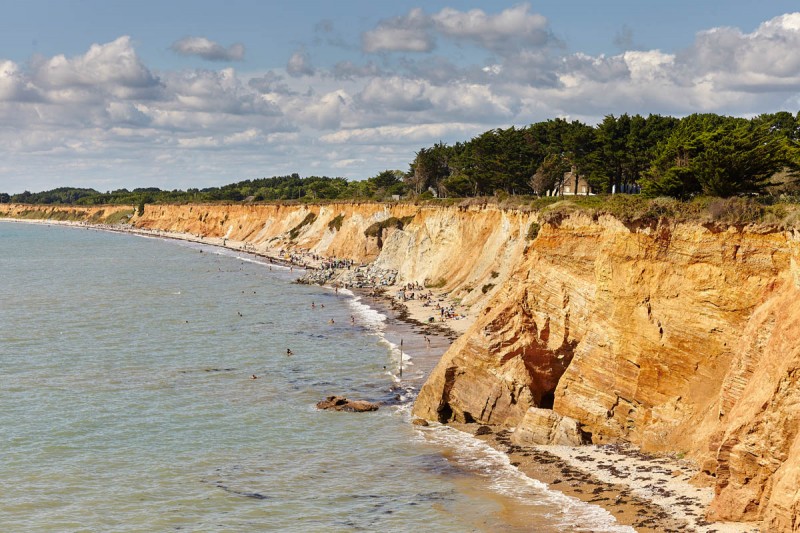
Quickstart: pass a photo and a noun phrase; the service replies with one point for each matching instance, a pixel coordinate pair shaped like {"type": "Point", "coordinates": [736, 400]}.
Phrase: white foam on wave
{"type": "Point", "coordinates": [506, 479]}
{"type": "Point", "coordinates": [366, 315]}
{"type": "Point", "coordinates": [376, 322]}
{"type": "Point", "coordinates": [225, 252]}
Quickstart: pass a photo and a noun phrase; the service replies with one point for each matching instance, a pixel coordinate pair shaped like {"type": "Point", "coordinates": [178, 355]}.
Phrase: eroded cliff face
{"type": "Point", "coordinates": [675, 337]}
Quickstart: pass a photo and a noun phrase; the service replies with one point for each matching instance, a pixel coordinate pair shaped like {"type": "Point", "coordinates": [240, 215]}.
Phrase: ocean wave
{"type": "Point", "coordinates": [366, 315]}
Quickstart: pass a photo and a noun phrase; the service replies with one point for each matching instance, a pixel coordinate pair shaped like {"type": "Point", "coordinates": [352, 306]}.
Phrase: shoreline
{"type": "Point", "coordinates": [632, 491]}
{"type": "Point", "coordinates": [651, 493]}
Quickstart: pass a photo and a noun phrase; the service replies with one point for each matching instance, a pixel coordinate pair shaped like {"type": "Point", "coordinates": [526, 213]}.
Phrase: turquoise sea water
{"type": "Point", "coordinates": [128, 404]}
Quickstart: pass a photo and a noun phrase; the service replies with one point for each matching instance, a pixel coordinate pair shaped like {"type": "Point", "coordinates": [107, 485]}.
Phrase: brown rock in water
{"type": "Point", "coordinates": [420, 422]}
{"type": "Point", "coordinates": [543, 426]}
{"type": "Point", "coordinates": [340, 403]}
{"type": "Point", "coordinates": [483, 430]}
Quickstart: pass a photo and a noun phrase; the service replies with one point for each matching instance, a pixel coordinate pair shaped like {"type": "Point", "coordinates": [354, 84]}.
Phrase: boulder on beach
{"type": "Point", "coordinates": [340, 403]}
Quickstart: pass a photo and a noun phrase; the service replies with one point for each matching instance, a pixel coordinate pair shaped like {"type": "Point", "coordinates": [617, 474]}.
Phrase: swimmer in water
{"type": "Point", "coordinates": [289, 351]}
{"type": "Point", "coordinates": [331, 321]}
{"type": "Point", "coordinates": [253, 376]}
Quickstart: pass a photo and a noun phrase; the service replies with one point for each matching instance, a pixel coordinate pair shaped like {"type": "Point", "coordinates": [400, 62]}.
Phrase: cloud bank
{"type": "Point", "coordinates": [105, 119]}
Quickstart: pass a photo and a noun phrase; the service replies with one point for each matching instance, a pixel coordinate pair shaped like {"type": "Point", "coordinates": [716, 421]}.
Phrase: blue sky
{"type": "Point", "coordinates": [183, 94]}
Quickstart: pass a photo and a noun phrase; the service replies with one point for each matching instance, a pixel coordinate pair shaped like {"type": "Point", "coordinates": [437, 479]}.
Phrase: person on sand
{"type": "Point", "coordinates": [289, 351]}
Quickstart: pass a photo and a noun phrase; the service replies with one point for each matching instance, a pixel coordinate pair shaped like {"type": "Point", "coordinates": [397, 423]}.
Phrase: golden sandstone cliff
{"type": "Point", "coordinates": [675, 337]}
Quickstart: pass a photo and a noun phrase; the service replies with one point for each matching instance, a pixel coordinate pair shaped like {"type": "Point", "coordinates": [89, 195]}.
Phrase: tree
{"type": "Point", "coordinates": [387, 178]}
{"type": "Point", "coordinates": [714, 155]}
{"type": "Point", "coordinates": [430, 166]}
{"type": "Point", "coordinates": [739, 158]}
{"type": "Point", "coordinates": [549, 174]}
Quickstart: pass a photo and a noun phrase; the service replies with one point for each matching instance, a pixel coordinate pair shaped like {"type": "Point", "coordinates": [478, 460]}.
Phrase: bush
{"type": "Point", "coordinates": [376, 229]}
{"type": "Point", "coordinates": [336, 223]}
{"type": "Point", "coordinates": [736, 211]}
{"type": "Point", "coordinates": [533, 232]}
{"type": "Point", "coordinates": [295, 231]}
{"type": "Point", "coordinates": [119, 217]}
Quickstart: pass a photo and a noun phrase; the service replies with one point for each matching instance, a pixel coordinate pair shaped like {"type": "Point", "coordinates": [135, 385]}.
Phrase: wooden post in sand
{"type": "Point", "coordinates": [401, 358]}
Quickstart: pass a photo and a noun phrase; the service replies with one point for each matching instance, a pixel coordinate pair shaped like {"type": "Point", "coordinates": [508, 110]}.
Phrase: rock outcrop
{"type": "Point", "coordinates": [674, 337]}
{"type": "Point", "coordinates": [545, 426]}
{"type": "Point", "coordinates": [340, 403]}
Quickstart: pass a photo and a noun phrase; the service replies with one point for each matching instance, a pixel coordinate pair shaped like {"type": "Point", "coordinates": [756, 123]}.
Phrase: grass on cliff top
{"type": "Point", "coordinates": [769, 211]}
{"type": "Point", "coordinates": [632, 209]}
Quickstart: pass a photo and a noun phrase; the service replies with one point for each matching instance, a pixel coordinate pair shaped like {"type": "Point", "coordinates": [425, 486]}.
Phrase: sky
{"type": "Point", "coordinates": [179, 94]}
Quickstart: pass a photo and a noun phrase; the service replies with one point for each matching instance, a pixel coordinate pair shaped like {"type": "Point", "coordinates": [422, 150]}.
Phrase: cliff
{"type": "Point", "coordinates": [674, 337]}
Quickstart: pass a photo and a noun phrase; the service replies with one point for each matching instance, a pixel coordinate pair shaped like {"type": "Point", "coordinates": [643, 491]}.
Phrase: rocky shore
{"type": "Point", "coordinates": [649, 492]}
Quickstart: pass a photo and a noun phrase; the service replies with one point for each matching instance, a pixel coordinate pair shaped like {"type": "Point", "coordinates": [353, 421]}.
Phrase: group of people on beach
{"type": "Point", "coordinates": [403, 295]}
{"type": "Point", "coordinates": [337, 263]}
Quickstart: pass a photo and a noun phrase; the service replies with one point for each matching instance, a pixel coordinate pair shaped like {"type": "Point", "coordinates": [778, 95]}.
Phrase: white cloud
{"type": "Point", "coordinates": [395, 94]}
{"type": "Point", "coordinates": [208, 49]}
{"type": "Point", "coordinates": [764, 60]}
{"type": "Point", "coordinates": [501, 33]}
{"type": "Point", "coordinates": [347, 163]}
{"type": "Point", "coordinates": [270, 83]}
{"type": "Point", "coordinates": [216, 91]}
{"type": "Point", "coordinates": [300, 64]}
{"type": "Point", "coordinates": [13, 85]}
{"type": "Point", "coordinates": [400, 34]}
{"type": "Point", "coordinates": [112, 67]}
{"type": "Point", "coordinates": [416, 133]}
{"type": "Point", "coordinates": [325, 112]}
{"type": "Point", "coordinates": [648, 66]}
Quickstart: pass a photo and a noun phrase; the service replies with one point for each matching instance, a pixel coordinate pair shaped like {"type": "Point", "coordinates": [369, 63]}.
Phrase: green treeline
{"type": "Point", "coordinates": [292, 187]}
{"type": "Point", "coordinates": [701, 154]}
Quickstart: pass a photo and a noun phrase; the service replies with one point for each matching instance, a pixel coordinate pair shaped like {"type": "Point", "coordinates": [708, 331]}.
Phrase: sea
{"type": "Point", "coordinates": [128, 402]}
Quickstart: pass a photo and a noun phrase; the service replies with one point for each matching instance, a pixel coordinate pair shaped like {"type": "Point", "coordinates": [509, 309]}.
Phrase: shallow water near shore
{"type": "Point", "coordinates": [128, 403]}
